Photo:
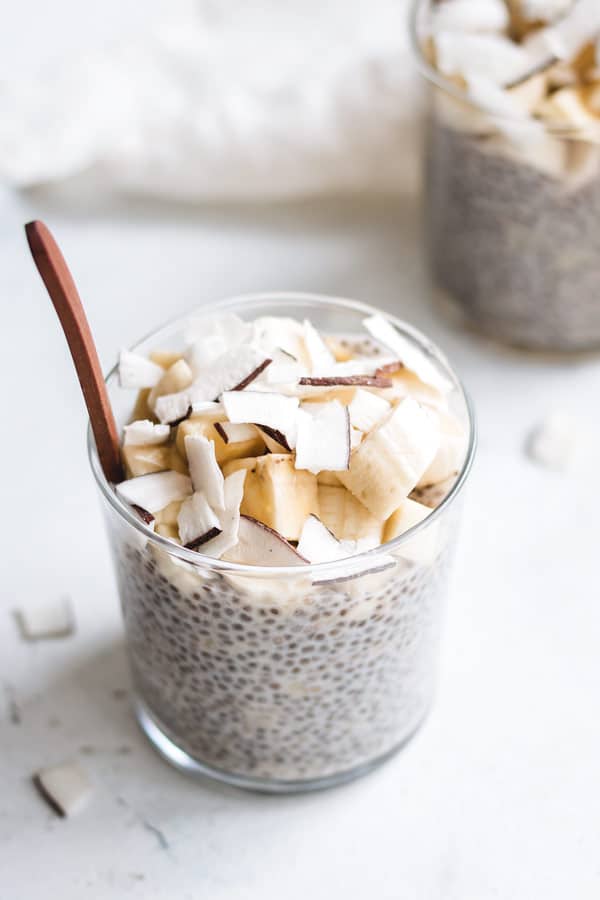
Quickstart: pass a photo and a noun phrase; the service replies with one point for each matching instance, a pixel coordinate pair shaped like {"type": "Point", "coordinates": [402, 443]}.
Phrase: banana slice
{"type": "Point", "coordinates": [345, 516]}
{"type": "Point", "coordinates": [367, 409]}
{"type": "Point", "coordinates": [145, 432]}
{"type": "Point", "coordinates": [165, 358]}
{"type": "Point", "coordinates": [204, 424]}
{"type": "Point", "coordinates": [168, 515]}
{"type": "Point", "coordinates": [392, 458]}
{"type": "Point", "coordinates": [424, 546]}
{"type": "Point", "coordinates": [145, 459]}
{"type": "Point", "coordinates": [450, 456]}
{"type": "Point", "coordinates": [276, 493]}
{"type": "Point", "coordinates": [178, 377]}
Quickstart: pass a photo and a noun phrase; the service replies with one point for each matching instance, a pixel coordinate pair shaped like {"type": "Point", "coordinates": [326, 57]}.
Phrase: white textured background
{"type": "Point", "coordinates": [499, 796]}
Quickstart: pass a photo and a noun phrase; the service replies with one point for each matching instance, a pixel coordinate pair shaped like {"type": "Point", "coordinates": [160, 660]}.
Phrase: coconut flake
{"type": "Point", "coordinates": [367, 409]}
{"type": "Point", "coordinates": [259, 545]}
{"type": "Point", "coordinates": [320, 356]}
{"type": "Point", "coordinates": [412, 357]}
{"type": "Point", "coordinates": [230, 517]}
{"type": "Point", "coordinates": [227, 328]}
{"type": "Point", "coordinates": [565, 37]}
{"type": "Point", "coordinates": [172, 409]}
{"type": "Point", "coordinates": [318, 544]}
{"type": "Point", "coordinates": [46, 621]}
{"type": "Point", "coordinates": [205, 351]}
{"type": "Point", "coordinates": [493, 56]}
{"type": "Point", "coordinates": [232, 371]}
{"type": "Point", "coordinates": [155, 491]}
{"type": "Point", "coordinates": [236, 433]}
{"type": "Point", "coordinates": [470, 16]}
{"type": "Point", "coordinates": [273, 333]}
{"type": "Point", "coordinates": [66, 788]}
{"type": "Point", "coordinates": [197, 523]}
{"type": "Point", "coordinates": [553, 442]}
{"type": "Point", "coordinates": [323, 437]}
{"type": "Point", "coordinates": [144, 432]}
{"type": "Point", "coordinates": [265, 409]}
{"type": "Point", "coordinates": [136, 371]}
{"type": "Point", "coordinates": [373, 381]}
{"type": "Point", "coordinates": [205, 471]}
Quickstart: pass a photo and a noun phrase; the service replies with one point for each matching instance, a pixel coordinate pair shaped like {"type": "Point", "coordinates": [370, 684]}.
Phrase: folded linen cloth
{"type": "Point", "coordinates": [264, 99]}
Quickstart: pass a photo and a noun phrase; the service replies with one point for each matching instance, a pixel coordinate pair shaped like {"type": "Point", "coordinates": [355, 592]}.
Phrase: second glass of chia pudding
{"type": "Point", "coordinates": [512, 165]}
{"type": "Point", "coordinates": [283, 538]}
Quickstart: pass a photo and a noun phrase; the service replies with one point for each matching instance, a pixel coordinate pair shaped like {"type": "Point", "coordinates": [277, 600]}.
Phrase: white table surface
{"type": "Point", "coordinates": [497, 797]}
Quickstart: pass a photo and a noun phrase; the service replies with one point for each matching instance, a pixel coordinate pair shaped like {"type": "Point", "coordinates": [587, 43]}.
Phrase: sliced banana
{"type": "Point", "coordinates": [392, 458]}
{"type": "Point", "coordinates": [276, 493]}
{"type": "Point", "coordinates": [450, 456]}
{"type": "Point", "coordinates": [145, 459]}
{"type": "Point", "coordinates": [424, 546]}
{"type": "Point", "coordinates": [345, 516]}
{"type": "Point", "coordinates": [175, 379]}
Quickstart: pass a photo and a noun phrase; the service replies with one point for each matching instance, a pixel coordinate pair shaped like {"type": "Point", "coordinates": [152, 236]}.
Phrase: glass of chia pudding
{"type": "Point", "coordinates": [512, 166]}
{"type": "Point", "coordinates": [283, 537]}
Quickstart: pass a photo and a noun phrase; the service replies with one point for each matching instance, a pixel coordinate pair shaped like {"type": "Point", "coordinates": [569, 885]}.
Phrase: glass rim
{"type": "Point", "coordinates": [198, 560]}
{"type": "Point", "coordinates": [556, 129]}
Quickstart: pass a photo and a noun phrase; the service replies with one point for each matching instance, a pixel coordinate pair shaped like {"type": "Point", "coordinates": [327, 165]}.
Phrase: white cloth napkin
{"type": "Point", "coordinates": [260, 99]}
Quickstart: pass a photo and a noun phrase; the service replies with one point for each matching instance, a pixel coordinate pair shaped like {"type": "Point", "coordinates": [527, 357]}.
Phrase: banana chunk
{"type": "Point", "coordinates": [390, 461]}
{"type": "Point", "coordinates": [424, 546]}
{"type": "Point", "coordinates": [276, 493]}
{"type": "Point", "coordinates": [345, 516]}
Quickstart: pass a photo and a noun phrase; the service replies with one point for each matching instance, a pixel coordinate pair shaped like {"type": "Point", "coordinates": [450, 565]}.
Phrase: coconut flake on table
{"type": "Point", "coordinates": [260, 545]}
{"type": "Point", "coordinates": [155, 491]}
{"type": "Point", "coordinates": [323, 442]}
{"type": "Point", "coordinates": [230, 518]}
{"type": "Point", "coordinates": [205, 471]}
{"type": "Point", "coordinates": [66, 788]}
{"type": "Point", "coordinates": [470, 15]}
{"type": "Point", "coordinates": [144, 432]}
{"type": "Point", "coordinates": [137, 372]}
{"type": "Point", "coordinates": [265, 409]}
{"type": "Point", "coordinates": [46, 621]}
{"type": "Point", "coordinates": [197, 522]}
{"type": "Point", "coordinates": [366, 409]}
{"type": "Point", "coordinates": [554, 441]}
{"type": "Point", "coordinates": [412, 357]}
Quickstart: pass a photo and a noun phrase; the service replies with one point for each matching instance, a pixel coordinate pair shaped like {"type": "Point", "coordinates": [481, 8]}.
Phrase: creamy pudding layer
{"type": "Point", "coordinates": [513, 167]}
{"type": "Point", "coordinates": [270, 444]}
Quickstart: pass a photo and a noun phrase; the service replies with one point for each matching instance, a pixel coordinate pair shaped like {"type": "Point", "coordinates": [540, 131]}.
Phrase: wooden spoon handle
{"type": "Point", "coordinates": [67, 303]}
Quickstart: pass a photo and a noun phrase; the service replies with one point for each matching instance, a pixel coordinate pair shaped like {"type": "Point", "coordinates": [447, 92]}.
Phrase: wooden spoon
{"type": "Point", "coordinates": [67, 303]}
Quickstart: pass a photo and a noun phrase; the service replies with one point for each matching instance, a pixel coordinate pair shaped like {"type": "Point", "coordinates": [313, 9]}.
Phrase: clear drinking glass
{"type": "Point", "coordinates": [512, 209]}
{"type": "Point", "coordinates": [282, 679]}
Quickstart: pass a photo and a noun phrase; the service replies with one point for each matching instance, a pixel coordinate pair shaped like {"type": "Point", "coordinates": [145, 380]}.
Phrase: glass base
{"type": "Point", "coordinates": [191, 766]}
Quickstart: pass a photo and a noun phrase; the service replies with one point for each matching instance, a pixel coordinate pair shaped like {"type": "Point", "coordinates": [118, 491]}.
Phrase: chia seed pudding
{"type": "Point", "coordinates": [512, 166]}
{"type": "Point", "coordinates": [294, 643]}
